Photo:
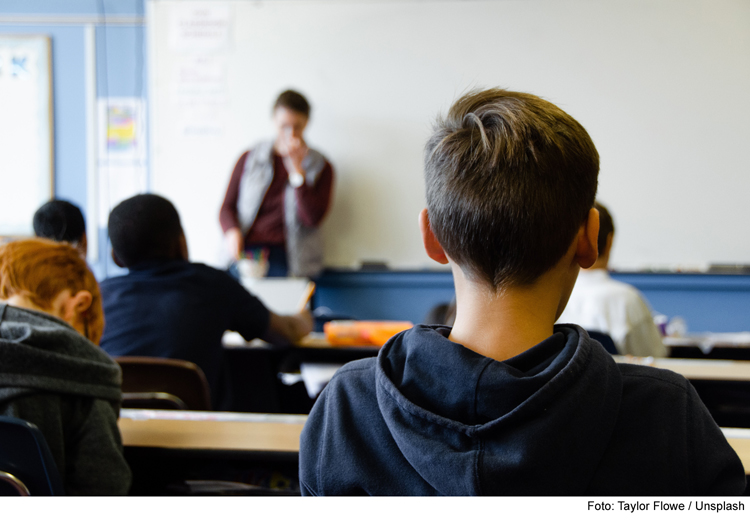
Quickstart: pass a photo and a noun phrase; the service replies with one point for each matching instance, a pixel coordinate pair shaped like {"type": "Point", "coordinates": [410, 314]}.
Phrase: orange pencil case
{"type": "Point", "coordinates": [363, 333]}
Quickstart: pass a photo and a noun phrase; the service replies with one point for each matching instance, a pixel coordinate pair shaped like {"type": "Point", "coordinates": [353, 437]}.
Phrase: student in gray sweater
{"type": "Point", "coordinates": [52, 373]}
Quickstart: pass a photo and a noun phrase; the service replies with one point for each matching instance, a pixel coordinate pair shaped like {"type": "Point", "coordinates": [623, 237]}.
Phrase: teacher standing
{"type": "Point", "coordinates": [277, 197]}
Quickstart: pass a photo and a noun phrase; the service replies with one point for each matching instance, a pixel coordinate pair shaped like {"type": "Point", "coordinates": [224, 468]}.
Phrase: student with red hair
{"type": "Point", "coordinates": [52, 373]}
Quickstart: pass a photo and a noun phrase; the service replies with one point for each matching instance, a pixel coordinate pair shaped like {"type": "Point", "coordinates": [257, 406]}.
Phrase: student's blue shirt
{"type": "Point", "coordinates": [180, 310]}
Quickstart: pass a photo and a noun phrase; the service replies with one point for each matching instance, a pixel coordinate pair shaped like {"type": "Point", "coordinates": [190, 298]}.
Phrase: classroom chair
{"type": "Point", "coordinates": [163, 383]}
{"type": "Point", "coordinates": [27, 467]}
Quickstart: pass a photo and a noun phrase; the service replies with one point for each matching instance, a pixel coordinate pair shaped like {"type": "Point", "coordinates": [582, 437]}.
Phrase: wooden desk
{"type": "Point", "coordinates": [211, 430]}
{"type": "Point", "coordinates": [739, 438]}
{"type": "Point", "coordinates": [723, 386]}
{"type": "Point", "coordinates": [696, 369]}
{"type": "Point", "coordinates": [732, 346]}
{"type": "Point", "coordinates": [164, 448]}
{"type": "Point", "coordinates": [227, 431]}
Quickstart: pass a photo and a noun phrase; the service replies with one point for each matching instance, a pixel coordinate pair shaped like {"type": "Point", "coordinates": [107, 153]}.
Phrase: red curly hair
{"type": "Point", "coordinates": [40, 269]}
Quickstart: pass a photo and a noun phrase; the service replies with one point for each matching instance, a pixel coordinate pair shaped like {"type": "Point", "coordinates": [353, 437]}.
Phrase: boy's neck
{"type": "Point", "coordinates": [502, 324]}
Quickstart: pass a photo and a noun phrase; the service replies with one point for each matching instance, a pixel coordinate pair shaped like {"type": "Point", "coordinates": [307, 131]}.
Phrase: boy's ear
{"type": "Point", "coordinates": [431, 244]}
{"type": "Point", "coordinates": [81, 301]}
{"type": "Point", "coordinates": [587, 250]}
{"type": "Point", "coordinates": [74, 306]}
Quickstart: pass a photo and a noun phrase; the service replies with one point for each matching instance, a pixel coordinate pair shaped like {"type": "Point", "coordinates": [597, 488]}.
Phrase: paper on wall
{"type": "Point", "coordinates": [199, 26]}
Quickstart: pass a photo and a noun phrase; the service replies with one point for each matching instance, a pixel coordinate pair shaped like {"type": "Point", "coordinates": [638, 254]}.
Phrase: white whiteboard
{"type": "Point", "coordinates": [661, 85]}
{"type": "Point", "coordinates": [26, 160]}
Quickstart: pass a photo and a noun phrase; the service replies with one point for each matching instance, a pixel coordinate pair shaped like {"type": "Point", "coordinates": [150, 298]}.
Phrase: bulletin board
{"type": "Point", "coordinates": [26, 128]}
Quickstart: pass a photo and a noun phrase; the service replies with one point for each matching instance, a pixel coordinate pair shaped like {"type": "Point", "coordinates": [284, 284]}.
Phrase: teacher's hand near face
{"type": "Point", "coordinates": [296, 151]}
{"type": "Point", "coordinates": [290, 144]}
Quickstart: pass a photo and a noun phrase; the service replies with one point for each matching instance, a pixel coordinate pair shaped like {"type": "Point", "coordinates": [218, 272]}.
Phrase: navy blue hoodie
{"type": "Point", "coordinates": [431, 417]}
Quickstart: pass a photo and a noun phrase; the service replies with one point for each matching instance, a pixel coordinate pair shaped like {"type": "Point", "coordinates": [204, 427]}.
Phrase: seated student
{"type": "Point", "coordinates": [507, 402]}
{"type": "Point", "coordinates": [167, 306]}
{"type": "Point", "coordinates": [51, 371]}
{"type": "Point", "coordinates": [62, 221]}
{"type": "Point", "coordinates": [601, 303]}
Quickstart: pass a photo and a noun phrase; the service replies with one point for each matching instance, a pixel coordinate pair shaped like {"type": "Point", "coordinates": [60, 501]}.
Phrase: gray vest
{"type": "Point", "coordinates": [304, 248]}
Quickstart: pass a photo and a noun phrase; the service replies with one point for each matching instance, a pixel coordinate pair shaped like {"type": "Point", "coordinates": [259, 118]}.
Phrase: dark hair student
{"type": "Point", "coordinates": [61, 221]}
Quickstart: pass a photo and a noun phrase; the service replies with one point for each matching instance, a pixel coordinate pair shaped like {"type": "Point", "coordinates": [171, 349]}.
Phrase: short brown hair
{"type": "Point", "coordinates": [40, 269]}
{"type": "Point", "coordinates": [606, 226]}
{"type": "Point", "coordinates": [294, 101]}
{"type": "Point", "coordinates": [509, 180]}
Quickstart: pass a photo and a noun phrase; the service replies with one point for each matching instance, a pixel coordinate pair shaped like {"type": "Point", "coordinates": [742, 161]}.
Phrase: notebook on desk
{"type": "Point", "coordinates": [281, 295]}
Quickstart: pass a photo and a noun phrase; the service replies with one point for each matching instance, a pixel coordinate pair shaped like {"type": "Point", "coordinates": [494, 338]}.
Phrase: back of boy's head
{"type": "Point", "coordinates": [510, 178]}
{"type": "Point", "coordinates": [40, 269]}
{"type": "Point", "coordinates": [144, 228]}
{"type": "Point", "coordinates": [606, 226]}
{"type": "Point", "coordinates": [60, 221]}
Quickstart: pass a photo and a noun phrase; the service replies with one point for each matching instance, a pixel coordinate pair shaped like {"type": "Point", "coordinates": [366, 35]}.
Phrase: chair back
{"type": "Point", "coordinates": [605, 340]}
{"type": "Point", "coordinates": [27, 467]}
{"type": "Point", "coordinates": [163, 383]}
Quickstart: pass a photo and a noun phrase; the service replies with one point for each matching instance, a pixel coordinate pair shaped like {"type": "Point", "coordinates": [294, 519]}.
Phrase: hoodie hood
{"type": "Point", "coordinates": [41, 352]}
{"type": "Point", "coordinates": [471, 425]}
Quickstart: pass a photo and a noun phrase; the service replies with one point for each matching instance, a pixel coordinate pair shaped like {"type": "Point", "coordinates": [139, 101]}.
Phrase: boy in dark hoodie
{"type": "Point", "coordinates": [52, 373]}
{"type": "Point", "coordinates": [506, 402]}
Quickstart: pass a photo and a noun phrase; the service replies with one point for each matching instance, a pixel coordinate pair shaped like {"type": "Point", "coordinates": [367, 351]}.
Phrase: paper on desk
{"type": "Point", "coordinates": [194, 415]}
{"type": "Point", "coordinates": [317, 375]}
{"type": "Point", "coordinates": [281, 295]}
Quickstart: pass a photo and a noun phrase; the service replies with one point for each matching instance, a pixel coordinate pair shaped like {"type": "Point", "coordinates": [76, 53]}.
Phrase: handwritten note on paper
{"type": "Point", "coordinates": [199, 26]}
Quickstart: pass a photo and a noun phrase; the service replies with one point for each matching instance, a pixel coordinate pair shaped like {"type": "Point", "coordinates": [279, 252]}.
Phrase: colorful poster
{"type": "Point", "coordinates": [121, 141]}
{"type": "Point", "coordinates": [122, 130]}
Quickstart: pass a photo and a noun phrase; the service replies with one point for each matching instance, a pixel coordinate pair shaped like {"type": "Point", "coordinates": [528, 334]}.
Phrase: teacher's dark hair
{"type": "Point", "coordinates": [144, 228]}
{"type": "Point", "coordinates": [293, 101]}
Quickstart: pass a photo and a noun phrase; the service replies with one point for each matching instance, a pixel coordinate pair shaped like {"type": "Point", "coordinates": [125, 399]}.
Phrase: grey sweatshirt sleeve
{"type": "Point", "coordinates": [95, 464]}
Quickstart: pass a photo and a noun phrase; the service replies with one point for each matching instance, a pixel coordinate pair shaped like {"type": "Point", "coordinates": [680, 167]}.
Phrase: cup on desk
{"type": "Point", "coordinates": [661, 321]}
{"type": "Point", "coordinates": [676, 327]}
{"type": "Point", "coordinates": [252, 269]}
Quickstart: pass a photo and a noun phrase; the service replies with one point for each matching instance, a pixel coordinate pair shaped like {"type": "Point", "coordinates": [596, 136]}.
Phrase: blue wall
{"type": "Point", "coordinates": [120, 67]}
{"type": "Point", "coordinates": [708, 303]}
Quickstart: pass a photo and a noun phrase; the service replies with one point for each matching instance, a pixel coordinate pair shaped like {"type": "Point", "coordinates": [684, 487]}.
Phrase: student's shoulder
{"type": "Point", "coordinates": [361, 369]}
{"type": "Point", "coordinates": [613, 287]}
{"type": "Point", "coordinates": [655, 381]}
{"type": "Point", "coordinates": [625, 291]}
{"type": "Point", "coordinates": [213, 275]}
{"type": "Point", "coordinates": [355, 379]}
{"type": "Point", "coordinates": [113, 282]}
